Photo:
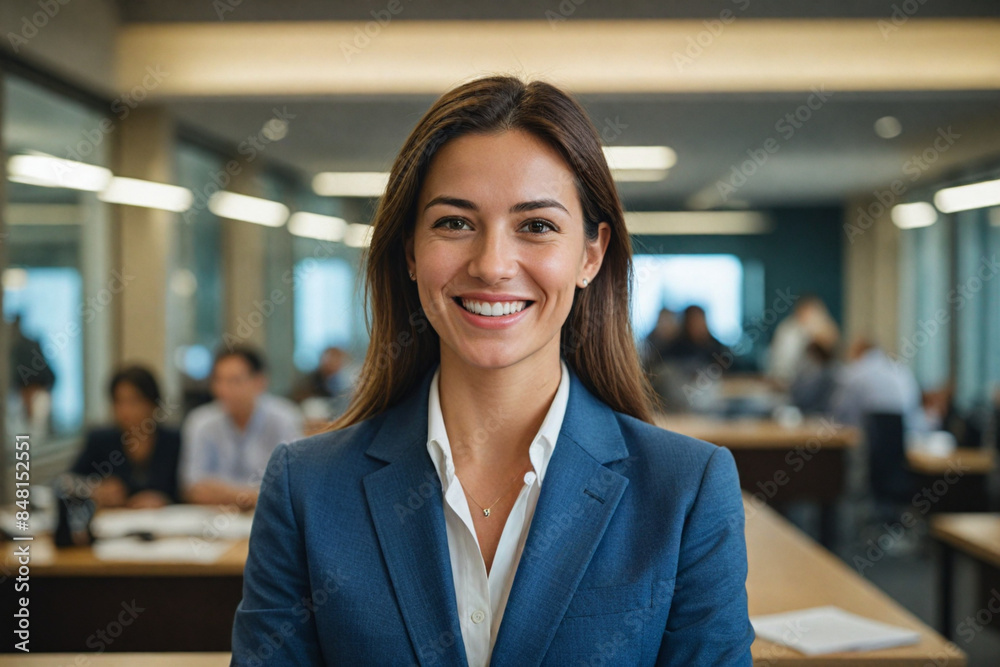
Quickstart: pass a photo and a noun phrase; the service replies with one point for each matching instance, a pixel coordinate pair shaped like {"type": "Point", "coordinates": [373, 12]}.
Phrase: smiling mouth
{"type": "Point", "coordinates": [458, 300]}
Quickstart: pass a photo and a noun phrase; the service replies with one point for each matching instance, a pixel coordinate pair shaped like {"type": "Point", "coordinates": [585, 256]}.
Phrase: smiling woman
{"type": "Point", "coordinates": [486, 498]}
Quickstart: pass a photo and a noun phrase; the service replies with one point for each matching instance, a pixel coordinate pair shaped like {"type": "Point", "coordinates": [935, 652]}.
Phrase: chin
{"type": "Point", "coordinates": [490, 356]}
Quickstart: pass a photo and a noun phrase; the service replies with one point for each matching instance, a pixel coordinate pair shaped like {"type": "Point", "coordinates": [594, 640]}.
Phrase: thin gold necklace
{"type": "Point", "coordinates": [486, 510]}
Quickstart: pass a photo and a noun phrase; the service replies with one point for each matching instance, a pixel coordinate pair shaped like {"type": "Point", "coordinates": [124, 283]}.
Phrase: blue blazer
{"type": "Point", "coordinates": [635, 556]}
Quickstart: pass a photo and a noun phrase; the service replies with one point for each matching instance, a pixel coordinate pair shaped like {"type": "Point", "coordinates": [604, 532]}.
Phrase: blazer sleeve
{"type": "Point", "coordinates": [274, 623]}
{"type": "Point", "coordinates": [708, 622]}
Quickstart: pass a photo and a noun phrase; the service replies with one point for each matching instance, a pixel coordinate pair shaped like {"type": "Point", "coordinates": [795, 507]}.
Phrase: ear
{"type": "Point", "coordinates": [595, 251]}
{"type": "Point", "coordinates": [411, 260]}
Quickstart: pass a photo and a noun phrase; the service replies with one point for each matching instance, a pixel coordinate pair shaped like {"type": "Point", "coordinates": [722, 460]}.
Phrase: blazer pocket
{"type": "Point", "coordinates": [611, 599]}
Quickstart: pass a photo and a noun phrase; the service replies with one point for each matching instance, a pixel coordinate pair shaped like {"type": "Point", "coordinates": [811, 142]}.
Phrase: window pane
{"type": "Point", "coordinates": [59, 279]}
{"type": "Point", "coordinates": [714, 282]}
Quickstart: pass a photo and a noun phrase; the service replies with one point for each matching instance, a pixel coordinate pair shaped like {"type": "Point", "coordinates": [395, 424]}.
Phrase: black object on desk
{"type": "Point", "coordinates": [76, 511]}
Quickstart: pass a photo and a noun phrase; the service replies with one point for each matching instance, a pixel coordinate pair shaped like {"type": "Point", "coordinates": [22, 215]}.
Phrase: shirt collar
{"type": "Point", "coordinates": [541, 448]}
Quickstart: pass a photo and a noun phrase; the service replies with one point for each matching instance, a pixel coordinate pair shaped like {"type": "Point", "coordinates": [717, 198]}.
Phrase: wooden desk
{"type": "Point", "coordinates": [781, 464]}
{"type": "Point", "coordinates": [976, 536]}
{"type": "Point", "coordinates": [120, 660]}
{"type": "Point", "coordinates": [965, 471]}
{"type": "Point", "coordinates": [753, 433]}
{"type": "Point", "coordinates": [47, 561]}
{"type": "Point", "coordinates": [184, 606]}
{"type": "Point", "coordinates": [980, 461]}
{"type": "Point", "coordinates": [789, 571]}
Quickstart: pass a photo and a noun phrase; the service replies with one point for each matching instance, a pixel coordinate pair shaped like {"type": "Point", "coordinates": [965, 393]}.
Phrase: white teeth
{"type": "Point", "coordinates": [493, 309]}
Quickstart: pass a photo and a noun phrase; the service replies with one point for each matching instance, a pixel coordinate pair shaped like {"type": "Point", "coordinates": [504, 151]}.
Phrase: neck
{"type": "Point", "coordinates": [492, 415]}
{"type": "Point", "coordinates": [242, 417]}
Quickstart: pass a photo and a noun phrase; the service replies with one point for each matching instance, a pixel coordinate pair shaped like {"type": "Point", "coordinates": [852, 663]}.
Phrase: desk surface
{"type": "Point", "coordinates": [975, 534]}
{"type": "Point", "coordinates": [754, 433]}
{"type": "Point", "coordinates": [47, 561]}
{"type": "Point", "coordinates": [963, 459]}
{"type": "Point", "coordinates": [118, 660]}
{"type": "Point", "coordinates": [789, 571]}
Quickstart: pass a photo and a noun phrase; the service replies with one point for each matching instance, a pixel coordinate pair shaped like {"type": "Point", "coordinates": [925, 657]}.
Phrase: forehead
{"type": "Point", "coordinates": [232, 364]}
{"type": "Point", "coordinates": [500, 169]}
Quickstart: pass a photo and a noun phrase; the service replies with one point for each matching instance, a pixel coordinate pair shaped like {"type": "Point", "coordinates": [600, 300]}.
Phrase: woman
{"type": "Point", "coordinates": [134, 463]}
{"type": "Point", "coordinates": [480, 444]}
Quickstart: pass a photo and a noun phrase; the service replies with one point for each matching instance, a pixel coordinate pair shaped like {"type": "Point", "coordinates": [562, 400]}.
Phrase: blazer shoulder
{"type": "Point", "coordinates": [669, 447]}
{"type": "Point", "coordinates": [675, 464]}
{"type": "Point", "coordinates": [340, 449]}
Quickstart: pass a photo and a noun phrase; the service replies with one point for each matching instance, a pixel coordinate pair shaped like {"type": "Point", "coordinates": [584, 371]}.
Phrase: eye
{"type": "Point", "coordinates": [444, 222]}
{"type": "Point", "coordinates": [544, 223]}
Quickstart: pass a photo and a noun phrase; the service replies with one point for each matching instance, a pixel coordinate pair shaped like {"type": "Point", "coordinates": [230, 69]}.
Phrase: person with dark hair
{"type": "Point", "coordinates": [497, 490]}
{"type": "Point", "coordinates": [134, 463]}
{"type": "Point", "coordinates": [227, 442]}
{"type": "Point", "coordinates": [815, 383]}
{"type": "Point", "coordinates": [694, 347]}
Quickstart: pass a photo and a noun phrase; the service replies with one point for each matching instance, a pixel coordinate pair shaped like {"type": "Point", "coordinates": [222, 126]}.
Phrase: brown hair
{"type": "Point", "coordinates": [596, 340]}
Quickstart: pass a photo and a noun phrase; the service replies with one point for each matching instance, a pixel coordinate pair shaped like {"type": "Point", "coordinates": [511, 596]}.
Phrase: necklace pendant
{"type": "Point", "coordinates": [486, 512]}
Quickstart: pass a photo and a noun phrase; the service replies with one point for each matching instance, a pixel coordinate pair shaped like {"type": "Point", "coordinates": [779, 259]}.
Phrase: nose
{"type": "Point", "coordinates": [494, 257]}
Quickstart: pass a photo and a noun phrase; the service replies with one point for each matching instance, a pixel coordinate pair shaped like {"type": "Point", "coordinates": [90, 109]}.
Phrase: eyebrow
{"type": "Point", "coordinates": [516, 208]}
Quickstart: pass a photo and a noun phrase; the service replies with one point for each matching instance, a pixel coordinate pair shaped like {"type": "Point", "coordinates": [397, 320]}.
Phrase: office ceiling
{"type": "Point", "coordinates": [834, 155]}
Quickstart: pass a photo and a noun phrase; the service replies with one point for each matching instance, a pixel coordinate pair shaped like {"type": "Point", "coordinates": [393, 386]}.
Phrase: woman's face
{"type": "Point", "coordinates": [498, 220]}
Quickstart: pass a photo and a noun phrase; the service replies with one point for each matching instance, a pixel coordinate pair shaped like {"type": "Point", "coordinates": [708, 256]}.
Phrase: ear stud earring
{"type": "Point", "coordinates": [584, 282]}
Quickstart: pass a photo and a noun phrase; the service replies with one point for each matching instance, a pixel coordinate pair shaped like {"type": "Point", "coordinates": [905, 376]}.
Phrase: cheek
{"type": "Point", "coordinates": [555, 273]}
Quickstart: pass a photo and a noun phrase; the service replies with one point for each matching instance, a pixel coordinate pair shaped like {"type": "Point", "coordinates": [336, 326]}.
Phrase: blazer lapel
{"type": "Point", "coordinates": [404, 498]}
{"type": "Point", "coordinates": [578, 497]}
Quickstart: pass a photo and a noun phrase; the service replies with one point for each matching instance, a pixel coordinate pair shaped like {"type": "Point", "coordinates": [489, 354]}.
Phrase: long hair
{"type": "Point", "coordinates": [596, 340]}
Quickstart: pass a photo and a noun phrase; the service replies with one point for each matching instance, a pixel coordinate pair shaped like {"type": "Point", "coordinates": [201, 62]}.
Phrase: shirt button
{"type": "Point", "coordinates": [529, 477]}
{"type": "Point", "coordinates": [478, 616]}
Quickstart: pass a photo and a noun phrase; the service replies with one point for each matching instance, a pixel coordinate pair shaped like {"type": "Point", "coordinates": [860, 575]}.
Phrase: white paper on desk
{"type": "Point", "coordinates": [830, 629]}
{"type": "Point", "coordinates": [169, 550]}
{"type": "Point", "coordinates": [173, 520]}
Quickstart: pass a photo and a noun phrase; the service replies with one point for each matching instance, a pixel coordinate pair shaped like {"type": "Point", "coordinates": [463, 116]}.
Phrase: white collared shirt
{"type": "Point", "coordinates": [481, 599]}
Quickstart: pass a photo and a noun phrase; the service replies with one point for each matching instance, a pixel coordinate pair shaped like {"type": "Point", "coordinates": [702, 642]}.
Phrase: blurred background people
{"type": "Point", "coordinates": [31, 381]}
{"type": "Point", "coordinates": [656, 342]}
{"type": "Point", "coordinates": [694, 346]}
{"type": "Point", "coordinates": [136, 459]}
{"type": "Point", "coordinates": [809, 322]}
{"type": "Point", "coordinates": [872, 382]}
{"type": "Point", "coordinates": [815, 381]}
{"type": "Point", "coordinates": [228, 442]}
{"type": "Point", "coordinates": [324, 393]}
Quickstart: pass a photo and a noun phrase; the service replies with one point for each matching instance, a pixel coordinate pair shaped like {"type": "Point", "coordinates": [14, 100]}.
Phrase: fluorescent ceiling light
{"type": "Point", "coordinates": [697, 222]}
{"type": "Point", "coordinates": [137, 192]}
{"type": "Point", "coordinates": [315, 226]}
{"type": "Point", "coordinates": [248, 209]}
{"type": "Point", "coordinates": [358, 236]}
{"type": "Point", "coordinates": [888, 127]}
{"type": "Point", "coordinates": [350, 183]}
{"type": "Point", "coordinates": [912, 216]}
{"type": "Point", "coordinates": [965, 197]}
{"type": "Point", "coordinates": [640, 157]}
{"type": "Point", "coordinates": [635, 175]}
{"type": "Point", "coordinates": [53, 172]}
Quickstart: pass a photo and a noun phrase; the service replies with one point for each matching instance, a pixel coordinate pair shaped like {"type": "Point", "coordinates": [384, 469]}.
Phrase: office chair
{"type": "Point", "coordinates": [891, 481]}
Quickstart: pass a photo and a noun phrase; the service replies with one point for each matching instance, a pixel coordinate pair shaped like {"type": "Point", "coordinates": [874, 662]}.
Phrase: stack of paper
{"type": "Point", "coordinates": [166, 550]}
{"type": "Point", "coordinates": [829, 630]}
{"type": "Point", "coordinates": [173, 520]}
